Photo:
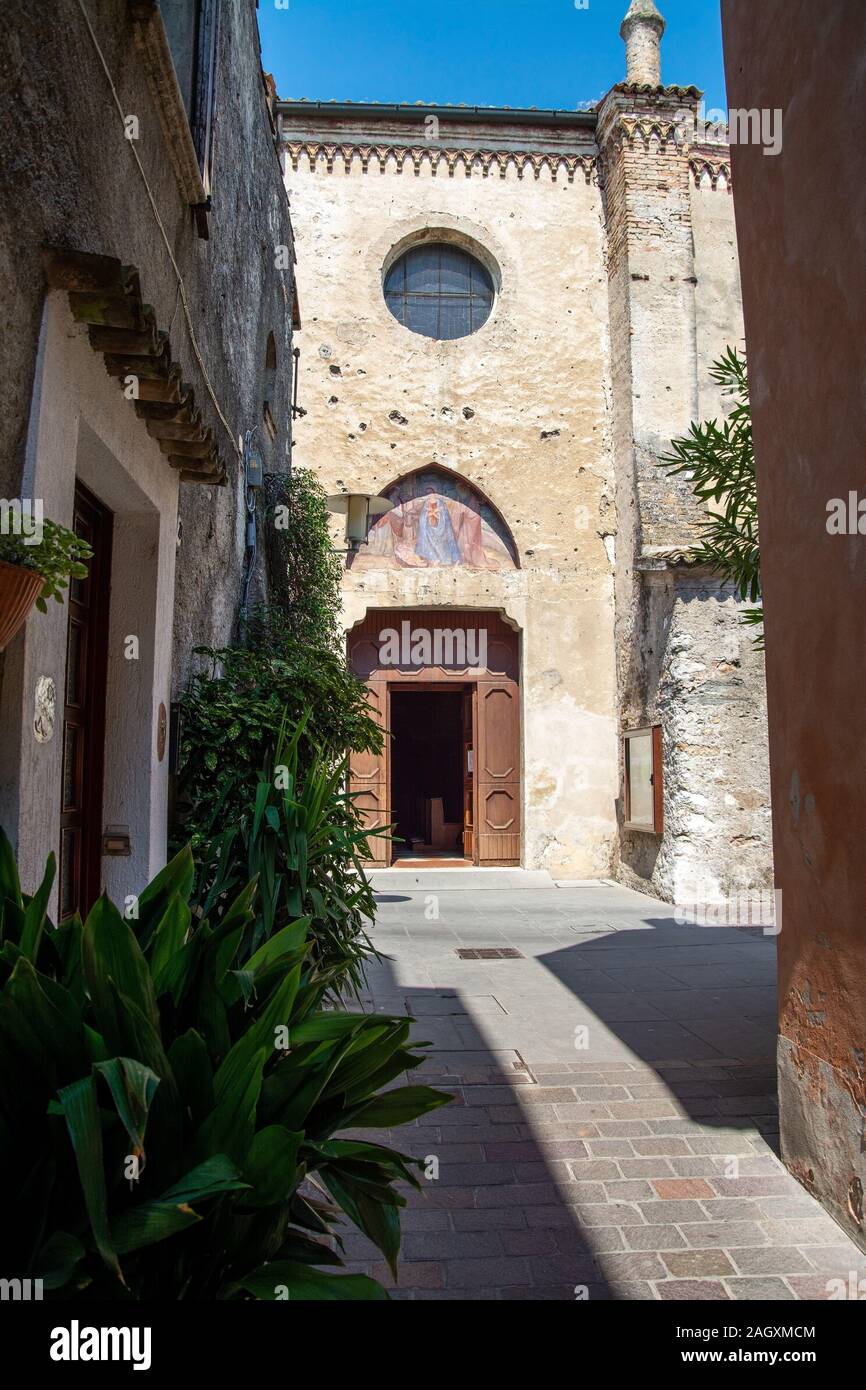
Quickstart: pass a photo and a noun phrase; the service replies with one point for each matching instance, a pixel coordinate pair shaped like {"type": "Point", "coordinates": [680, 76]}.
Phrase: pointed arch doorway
{"type": "Point", "coordinates": [444, 685]}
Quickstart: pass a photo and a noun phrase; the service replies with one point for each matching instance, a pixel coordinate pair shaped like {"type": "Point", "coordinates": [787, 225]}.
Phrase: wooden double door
{"type": "Point", "coordinates": [489, 733]}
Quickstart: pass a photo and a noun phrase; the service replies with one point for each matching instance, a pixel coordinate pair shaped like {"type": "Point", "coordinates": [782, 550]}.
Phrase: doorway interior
{"type": "Point", "coordinates": [431, 771]}
{"type": "Point", "coordinates": [84, 712]}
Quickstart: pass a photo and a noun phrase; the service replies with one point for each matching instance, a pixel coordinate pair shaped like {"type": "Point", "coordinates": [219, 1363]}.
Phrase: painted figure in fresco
{"type": "Point", "coordinates": [400, 527]}
{"type": "Point", "coordinates": [470, 538]}
{"type": "Point", "coordinates": [436, 543]}
{"type": "Point", "coordinates": [437, 520]}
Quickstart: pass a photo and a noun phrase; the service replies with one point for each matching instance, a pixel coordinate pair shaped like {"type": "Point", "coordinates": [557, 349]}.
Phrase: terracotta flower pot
{"type": "Point", "coordinates": [19, 590]}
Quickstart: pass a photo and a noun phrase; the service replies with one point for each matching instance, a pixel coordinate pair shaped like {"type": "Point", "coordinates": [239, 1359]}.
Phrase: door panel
{"type": "Point", "coordinates": [369, 777]}
{"type": "Point", "coordinates": [80, 877]}
{"type": "Point", "coordinates": [498, 772]}
{"type": "Point", "coordinates": [468, 778]}
{"type": "Point", "coordinates": [491, 731]}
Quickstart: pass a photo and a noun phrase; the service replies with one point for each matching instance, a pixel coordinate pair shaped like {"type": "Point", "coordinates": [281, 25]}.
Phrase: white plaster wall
{"type": "Point", "coordinates": [481, 406]}
{"type": "Point", "coordinates": [81, 423]}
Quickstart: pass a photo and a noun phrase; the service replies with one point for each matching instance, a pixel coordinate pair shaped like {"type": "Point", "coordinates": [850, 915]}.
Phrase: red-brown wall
{"type": "Point", "coordinates": [801, 225]}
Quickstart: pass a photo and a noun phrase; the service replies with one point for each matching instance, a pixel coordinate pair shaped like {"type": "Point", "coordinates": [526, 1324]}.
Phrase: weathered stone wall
{"type": "Point", "coordinates": [518, 408]}
{"type": "Point", "coordinates": [613, 302]}
{"type": "Point", "coordinates": [718, 298]}
{"type": "Point", "coordinates": [651, 264]}
{"type": "Point", "coordinates": [69, 179]}
{"type": "Point", "coordinates": [702, 679]}
{"type": "Point", "coordinates": [683, 660]}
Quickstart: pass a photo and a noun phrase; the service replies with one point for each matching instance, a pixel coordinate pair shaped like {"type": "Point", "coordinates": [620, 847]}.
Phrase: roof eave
{"type": "Point", "coordinates": [473, 115]}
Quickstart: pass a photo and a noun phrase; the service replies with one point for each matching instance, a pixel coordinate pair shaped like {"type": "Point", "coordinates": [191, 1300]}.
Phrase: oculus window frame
{"type": "Point", "coordinates": [440, 290]}
{"type": "Point", "coordinates": [643, 779]}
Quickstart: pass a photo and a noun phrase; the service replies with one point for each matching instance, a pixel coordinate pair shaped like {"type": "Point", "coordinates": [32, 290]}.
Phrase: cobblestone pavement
{"type": "Point", "coordinates": [613, 1130]}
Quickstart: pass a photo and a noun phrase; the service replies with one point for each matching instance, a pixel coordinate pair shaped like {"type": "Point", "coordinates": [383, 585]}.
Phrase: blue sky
{"type": "Point", "coordinates": [545, 53]}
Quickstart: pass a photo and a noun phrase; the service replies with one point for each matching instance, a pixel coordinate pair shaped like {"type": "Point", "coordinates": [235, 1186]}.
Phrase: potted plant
{"type": "Point", "coordinates": [32, 571]}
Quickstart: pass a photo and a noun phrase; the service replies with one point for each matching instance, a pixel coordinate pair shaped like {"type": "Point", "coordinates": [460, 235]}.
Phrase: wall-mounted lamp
{"type": "Point", "coordinates": [359, 508]}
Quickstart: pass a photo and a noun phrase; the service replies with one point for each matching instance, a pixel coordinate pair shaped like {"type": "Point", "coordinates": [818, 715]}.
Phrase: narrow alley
{"type": "Point", "coordinates": [614, 1129]}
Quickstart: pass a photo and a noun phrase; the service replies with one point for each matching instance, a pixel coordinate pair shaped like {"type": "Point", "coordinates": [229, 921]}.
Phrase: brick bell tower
{"type": "Point", "coordinates": [670, 245]}
{"type": "Point", "coordinates": [643, 29]}
{"type": "Point", "coordinates": [651, 277]}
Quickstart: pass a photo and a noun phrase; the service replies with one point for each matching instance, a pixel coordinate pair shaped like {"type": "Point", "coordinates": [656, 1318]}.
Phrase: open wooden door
{"type": "Point", "coordinates": [369, 777]}
{"type": "Point", "coordinates": [468, 778]}
{"type": "Point", "coordinates": [489, 731]}
{"type": "Point", "coordinates": [497, 772]}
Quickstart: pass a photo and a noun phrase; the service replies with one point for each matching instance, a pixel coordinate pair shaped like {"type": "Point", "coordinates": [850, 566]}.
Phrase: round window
{"type": "Point", "coordinates": [440, 290]}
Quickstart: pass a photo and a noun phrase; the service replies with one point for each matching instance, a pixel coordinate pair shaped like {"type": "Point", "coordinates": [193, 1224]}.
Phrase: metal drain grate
{"type": "Point", "coordinates": [490, 953]}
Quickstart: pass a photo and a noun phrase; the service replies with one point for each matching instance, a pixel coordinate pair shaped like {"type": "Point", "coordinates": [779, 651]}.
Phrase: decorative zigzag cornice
{"type": "Point", "coordinates": [711, 163]}
{"type": "Point", "coordinates": [717, 172]}
{"type": "Point", "coordinates": [632, 128]}
{"type": "Point", "coordinates": [325, 155]}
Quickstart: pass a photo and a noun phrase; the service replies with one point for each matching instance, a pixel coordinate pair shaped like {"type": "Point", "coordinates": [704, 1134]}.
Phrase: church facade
{"type": "Point", "coordinates": [506, 316]}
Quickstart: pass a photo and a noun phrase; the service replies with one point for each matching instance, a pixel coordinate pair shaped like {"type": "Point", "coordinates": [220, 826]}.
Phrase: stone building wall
{"type": "Point", "coordinates": [615, 253]}
{"type": "Point", "coordinates": [718, 298]}
{"type": "Point", "coordinates": [684, 661]}
{"type": "Point", "coordinates": [72, 181]}
{"type": "Point", "coordinates": [518, 408]}
{"type": "Point", "coordinates": [702, 679]}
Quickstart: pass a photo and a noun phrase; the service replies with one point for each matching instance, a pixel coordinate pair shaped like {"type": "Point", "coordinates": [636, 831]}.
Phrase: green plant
{"type": "Point", "coordinates": [231, 717]}
{"type": "Point", "coordinates": [58, 557]}
{"type": "Point", "coordinates": [289, 663]}
{"type": "Point", "coordinates": [719, 463]}
{"type": "Point", "coordinates": [168, 1093]}
{"type": "Point", "coordinates": [305, 572]}
{"type": "Point", "coordinates": [303, 840]}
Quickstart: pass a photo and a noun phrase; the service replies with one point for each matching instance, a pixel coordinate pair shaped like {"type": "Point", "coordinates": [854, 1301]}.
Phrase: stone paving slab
{"type": "Point", "coordinates": [611, 1133]}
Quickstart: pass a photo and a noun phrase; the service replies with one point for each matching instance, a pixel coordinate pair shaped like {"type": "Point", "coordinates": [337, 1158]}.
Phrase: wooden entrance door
{"type": "Point", "coordinates": [497, 773]}
{"type": "Point", "coordinates": [80, 880]}
{"type": "Point", "coordinates": [468, 778]}
{"type": "Point", "coordinates": [369, 778]}
{"type": "Point", "coordinates": [491, 730]}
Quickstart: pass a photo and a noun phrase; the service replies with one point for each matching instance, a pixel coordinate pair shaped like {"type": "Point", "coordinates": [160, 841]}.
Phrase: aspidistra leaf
{"type": "Point", "coordinates": [81, 1112]}
{"type": "Point", "coordinates": [285, 1280]}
